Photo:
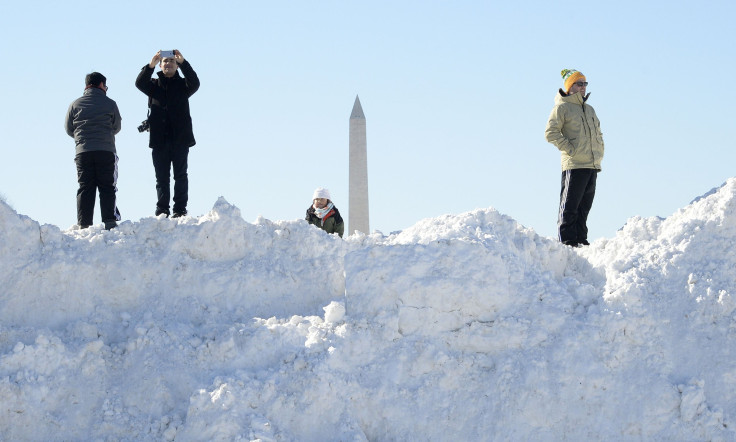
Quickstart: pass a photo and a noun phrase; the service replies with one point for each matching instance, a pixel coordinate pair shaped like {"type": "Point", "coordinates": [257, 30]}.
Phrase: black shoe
{"type": "Point", "coordinates": [584, 242]}
{"type": "Point", "coordinates": [109, 225]}
{"type": "Point", "coordinates": [83, 226]}
{"type": "Point", "coordinates": [179, 214]}
{"type": "Point", "coordinates": [164, 211]}
{"type": "Point", "coordinates": [571, 243]}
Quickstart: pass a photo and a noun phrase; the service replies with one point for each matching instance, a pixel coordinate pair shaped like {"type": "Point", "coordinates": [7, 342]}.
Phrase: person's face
{"type": "Point", "coordinates": [320, 203]}
{"type": "Point", "coordinates": [168, 66]}
{"type": "Point", "coordinates": [578, 86]}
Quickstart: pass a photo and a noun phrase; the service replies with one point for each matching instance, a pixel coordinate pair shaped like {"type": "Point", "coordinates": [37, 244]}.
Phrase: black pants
{"type": "Point", "coordinates": [576, 199]}
{"type": "Point", "coordinates": [96, 170]}
{"type": "Point", "coordinates": [164, 159]}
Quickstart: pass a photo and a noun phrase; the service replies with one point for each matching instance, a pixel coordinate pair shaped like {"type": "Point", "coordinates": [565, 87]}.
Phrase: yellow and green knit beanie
{"type": "Point", "coordinates": [570, 76]}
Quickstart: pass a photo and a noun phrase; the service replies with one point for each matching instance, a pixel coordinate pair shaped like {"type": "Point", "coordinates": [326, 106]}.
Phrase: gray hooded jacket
{"type": "Point", "coordinates": [93, 120]}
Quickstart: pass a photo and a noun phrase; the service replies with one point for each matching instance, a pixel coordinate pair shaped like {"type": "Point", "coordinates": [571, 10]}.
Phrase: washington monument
{"type": "Point", "coordinates": [358, 189]}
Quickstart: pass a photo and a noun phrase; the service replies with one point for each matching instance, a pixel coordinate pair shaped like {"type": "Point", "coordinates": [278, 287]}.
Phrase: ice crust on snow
{"type": "Point", "coordinates": [462, 327]}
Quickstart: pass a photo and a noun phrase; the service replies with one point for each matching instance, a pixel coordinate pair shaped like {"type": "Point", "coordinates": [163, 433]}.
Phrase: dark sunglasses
{"type": "Point", "coordinates": [581, 83]}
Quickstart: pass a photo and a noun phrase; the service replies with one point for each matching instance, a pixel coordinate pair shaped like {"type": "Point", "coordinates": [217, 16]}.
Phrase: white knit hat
{"type": "Point", "coordinates": [321, 192]}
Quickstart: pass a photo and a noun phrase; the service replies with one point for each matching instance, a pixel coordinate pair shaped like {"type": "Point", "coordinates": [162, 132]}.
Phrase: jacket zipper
{"type": "Point", "coordinates": [589, 131]}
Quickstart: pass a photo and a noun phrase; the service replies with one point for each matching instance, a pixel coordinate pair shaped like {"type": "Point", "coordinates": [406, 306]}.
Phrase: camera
{"type": "Point", "coordinates": [167, 54]}
{"type": "Point", "coordinates": [144, 126]}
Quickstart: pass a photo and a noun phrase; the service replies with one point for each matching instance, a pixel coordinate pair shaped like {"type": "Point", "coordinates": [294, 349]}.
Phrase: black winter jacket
{"type": "Point", "coordinates": [169, 98]}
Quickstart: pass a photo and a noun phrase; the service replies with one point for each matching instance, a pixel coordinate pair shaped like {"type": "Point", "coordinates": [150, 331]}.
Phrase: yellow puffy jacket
{"type": "Point", "coordinates": [575, 129]}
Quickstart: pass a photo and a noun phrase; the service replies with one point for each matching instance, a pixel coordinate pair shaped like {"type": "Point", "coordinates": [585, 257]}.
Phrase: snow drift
{"type": "Point", "coordinates": [462, 327]}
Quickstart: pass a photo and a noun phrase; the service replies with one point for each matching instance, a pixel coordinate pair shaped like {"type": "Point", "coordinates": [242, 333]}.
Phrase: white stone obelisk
{"type": "Point", "coordinates": [358, 189]}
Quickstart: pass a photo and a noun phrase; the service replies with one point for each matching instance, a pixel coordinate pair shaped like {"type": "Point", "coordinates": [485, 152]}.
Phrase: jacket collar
{"type": "Point", "coordinates": [94, 91]}
{"type": "Point", "coordinates": [578, 98]}
{"type": "Point", "coordinates": [163, 77]}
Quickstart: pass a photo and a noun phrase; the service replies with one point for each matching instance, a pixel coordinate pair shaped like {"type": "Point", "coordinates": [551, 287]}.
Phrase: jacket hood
{"type": "Point", "coordinates": [577, 98]}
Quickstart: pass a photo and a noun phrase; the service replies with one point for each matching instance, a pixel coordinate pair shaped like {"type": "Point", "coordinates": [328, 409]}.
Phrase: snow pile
{"type": "Point", "coordinates": [463, 327]}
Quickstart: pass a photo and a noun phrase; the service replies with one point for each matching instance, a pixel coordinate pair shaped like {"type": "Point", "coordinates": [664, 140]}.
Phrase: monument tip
{"type": "Point", "coordinates": [357, 109]}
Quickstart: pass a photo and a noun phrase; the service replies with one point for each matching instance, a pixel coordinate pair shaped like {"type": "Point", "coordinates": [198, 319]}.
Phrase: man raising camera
{"type": "Point", "coordinates": [170, 125]}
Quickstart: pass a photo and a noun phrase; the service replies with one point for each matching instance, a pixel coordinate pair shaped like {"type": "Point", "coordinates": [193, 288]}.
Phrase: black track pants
{"type": "Point", "coordinates": [576, 199]}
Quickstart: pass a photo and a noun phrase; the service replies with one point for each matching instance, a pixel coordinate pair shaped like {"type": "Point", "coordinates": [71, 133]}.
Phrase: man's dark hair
{"type": "Point", "coordinates": [94, 79]}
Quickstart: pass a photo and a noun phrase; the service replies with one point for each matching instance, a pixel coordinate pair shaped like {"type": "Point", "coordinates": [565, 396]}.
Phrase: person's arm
{"type": "Point", "coordinates": [156, 59]}
{"type": "Point", "coordinates": [143, 81]}
{"type": "Point", "coordinates": [69, 122]}
{"type": "Point", "coordinates": [597, 125]}
{"type": "Point", "coordinates": [116, 120]}
{"type": "Point", "coordinates": [190, 77]}
{"type": "Point", "coordinates": [340, 228]}
{"type": "Point", "coordinates": [553, 132]}
{"type": "Point", "coordinates": [311, 219]}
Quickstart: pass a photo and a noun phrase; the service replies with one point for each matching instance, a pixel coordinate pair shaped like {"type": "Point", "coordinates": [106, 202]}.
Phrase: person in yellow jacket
{"type": "Point", "coordinates": [575, 130]}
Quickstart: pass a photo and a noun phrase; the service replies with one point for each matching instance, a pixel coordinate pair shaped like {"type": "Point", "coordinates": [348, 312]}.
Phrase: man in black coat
{"type": "Point", "coordinates": [93, 120]}
{"type": "Point", "coordinates": [170, 124]}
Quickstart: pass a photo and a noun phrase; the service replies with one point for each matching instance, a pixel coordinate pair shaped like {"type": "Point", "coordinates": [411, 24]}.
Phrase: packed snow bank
{"type": "Point", "coordinates": [463, 327]}
{"type": "Point", "coordinates": [217, 260]}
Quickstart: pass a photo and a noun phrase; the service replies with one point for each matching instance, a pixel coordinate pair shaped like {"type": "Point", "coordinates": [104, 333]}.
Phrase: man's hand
{"type": "Point", "coordinates": [154, 61]}
{"type": "Point", "coordinates": [178, 57]}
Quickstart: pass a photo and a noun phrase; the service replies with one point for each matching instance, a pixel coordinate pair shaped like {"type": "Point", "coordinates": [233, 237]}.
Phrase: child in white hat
{"type": "Point", "coordinates": [323, 214]}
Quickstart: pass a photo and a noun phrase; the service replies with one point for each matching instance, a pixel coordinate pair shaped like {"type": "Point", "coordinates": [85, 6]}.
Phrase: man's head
{"type": "Point", "coordinates": [574, 81]}
{"type": "Point", "coordinates": [168, 66]}
{"type": "Point", "coordinates": [95, 79]}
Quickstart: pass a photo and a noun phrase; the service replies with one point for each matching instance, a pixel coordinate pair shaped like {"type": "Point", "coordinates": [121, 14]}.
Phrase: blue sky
{"type": "Point", "coordinates": [456, 97]}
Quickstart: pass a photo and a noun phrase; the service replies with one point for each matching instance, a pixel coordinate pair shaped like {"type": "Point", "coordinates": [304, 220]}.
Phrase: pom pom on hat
{"type": "Point", "coordinates": [321, 192]}
{"type": "Point", "coordinates": [570, 76]}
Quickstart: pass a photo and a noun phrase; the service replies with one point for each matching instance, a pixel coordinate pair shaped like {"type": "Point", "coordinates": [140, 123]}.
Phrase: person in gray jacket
{"type": "Point", "coordinates": [93, 120]}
